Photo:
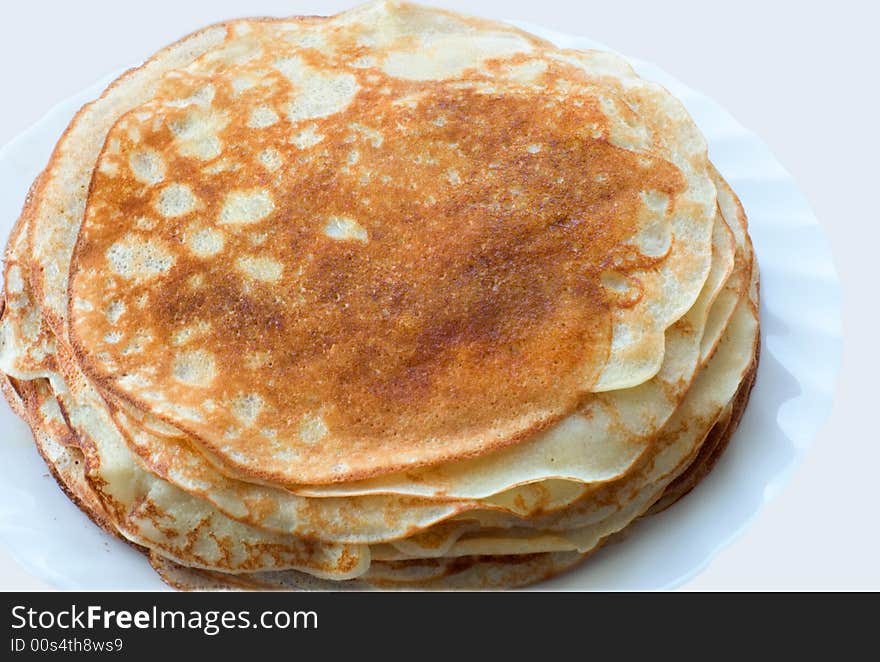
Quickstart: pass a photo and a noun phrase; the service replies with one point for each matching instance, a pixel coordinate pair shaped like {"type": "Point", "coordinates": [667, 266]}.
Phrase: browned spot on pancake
{"type": "Point", "coordinates": [459, 303]}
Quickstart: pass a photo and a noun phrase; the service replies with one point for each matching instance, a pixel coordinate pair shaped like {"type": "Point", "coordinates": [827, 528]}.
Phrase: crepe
{"type": "Point", "coordinates": [350, 280]}
{"type": "Point", "coordinates": [396, 298]}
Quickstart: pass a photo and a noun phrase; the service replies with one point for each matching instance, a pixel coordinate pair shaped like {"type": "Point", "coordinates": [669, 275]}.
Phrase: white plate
{"type": "Point", "coordinates": [800, 332]}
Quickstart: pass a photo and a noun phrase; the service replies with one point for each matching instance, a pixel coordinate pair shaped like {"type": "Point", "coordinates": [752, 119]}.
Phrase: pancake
{"type": "Point", "coordinates": [395, 299]}
{"type": "Point", "coordinates": [226, 259]}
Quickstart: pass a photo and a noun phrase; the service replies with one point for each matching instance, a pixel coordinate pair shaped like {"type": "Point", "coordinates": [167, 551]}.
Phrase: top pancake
{"type": "Point", "coordinates": [334, 249]}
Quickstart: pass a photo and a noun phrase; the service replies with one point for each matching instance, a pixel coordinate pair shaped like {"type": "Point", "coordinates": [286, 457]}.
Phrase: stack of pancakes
{"type": "Point", "coordinates": [395, 298]}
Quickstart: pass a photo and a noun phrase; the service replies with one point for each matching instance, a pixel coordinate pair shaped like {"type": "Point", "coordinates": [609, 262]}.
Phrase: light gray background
{"type": "Point", "coordinates": [802, 75]}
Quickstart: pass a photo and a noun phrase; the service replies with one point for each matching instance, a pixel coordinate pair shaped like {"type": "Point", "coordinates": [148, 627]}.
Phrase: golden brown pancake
{"type": "Point", "coordinates": [332, 271]}
{"type": "Point", "coordinates": [393, 299]}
